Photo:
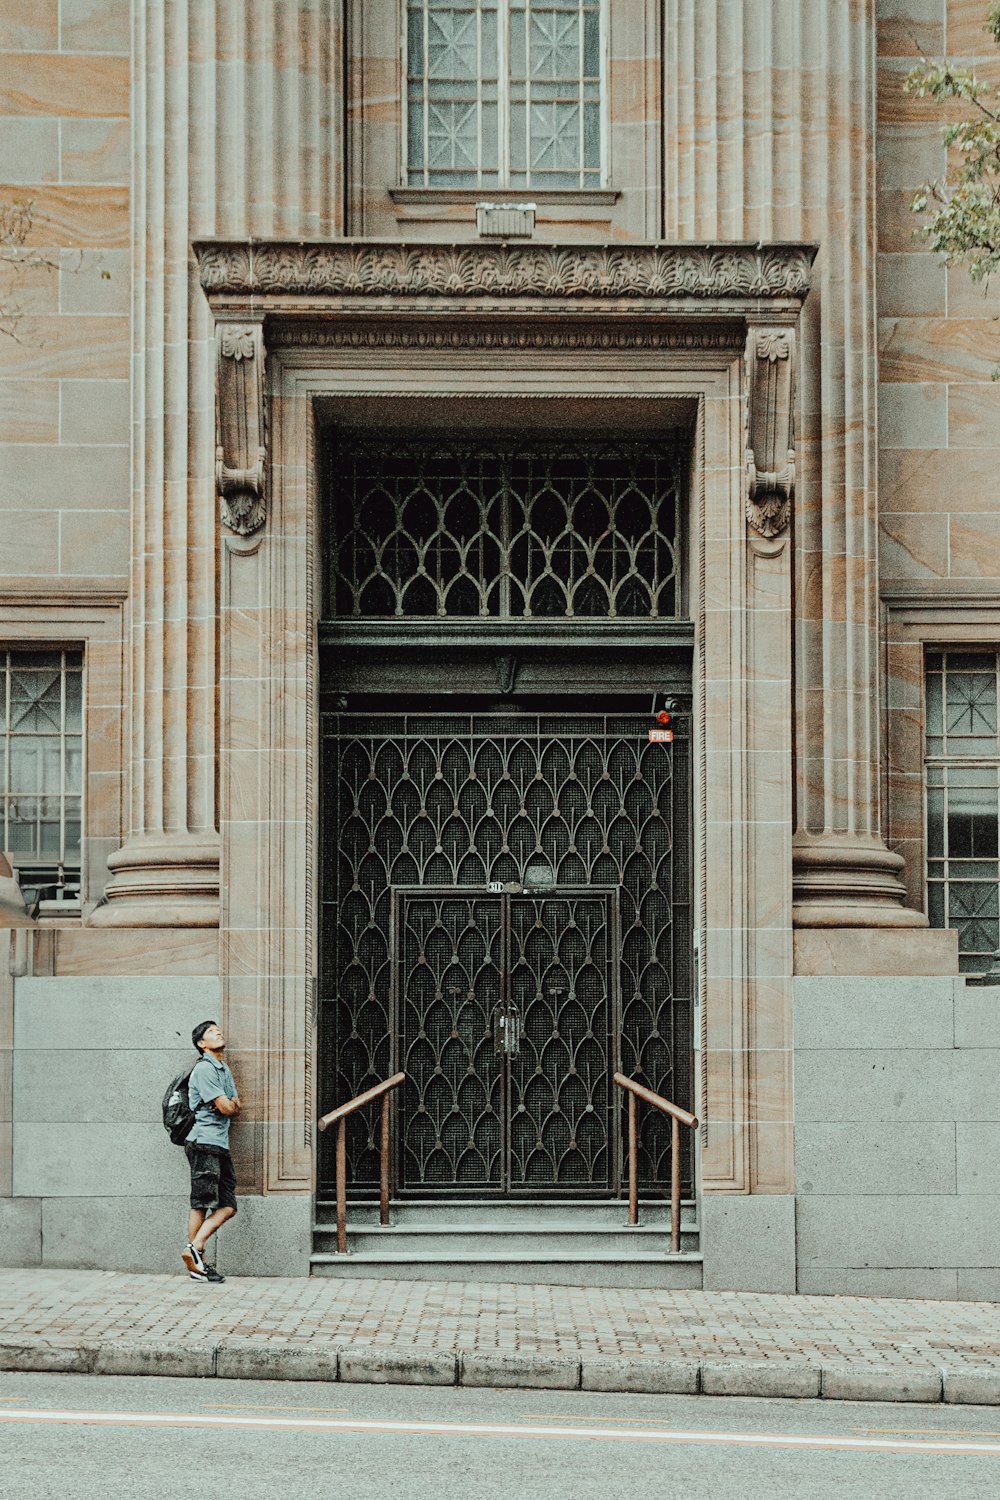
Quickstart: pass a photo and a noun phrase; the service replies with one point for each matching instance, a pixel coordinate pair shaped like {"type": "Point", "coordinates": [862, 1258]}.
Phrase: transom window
{"type": "Point", "coordinates": [568, 529]}
{"type": "Point", "coordinates": [504, 93]}
{"type": "Point", "coordinates": [41, 768]}
{"type": "Point", "coordinates": [963, 801]}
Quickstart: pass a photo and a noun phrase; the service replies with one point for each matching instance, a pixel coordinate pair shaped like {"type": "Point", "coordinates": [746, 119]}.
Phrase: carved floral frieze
{"type": "Point", "coordinates": [500, 271]}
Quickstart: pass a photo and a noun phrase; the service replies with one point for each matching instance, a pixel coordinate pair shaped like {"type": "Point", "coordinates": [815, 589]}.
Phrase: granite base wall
{"type": "Point", "coordinates": [897, 1131]}
{"type": "Point", "coordinates": [897, 1137]}
{"type": "Point", "coordinates": [95, 1181]}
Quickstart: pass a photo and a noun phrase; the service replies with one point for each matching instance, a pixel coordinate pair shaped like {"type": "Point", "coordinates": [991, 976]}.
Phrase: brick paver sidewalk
{"type": "Point", "coordinates": [531, 1327]}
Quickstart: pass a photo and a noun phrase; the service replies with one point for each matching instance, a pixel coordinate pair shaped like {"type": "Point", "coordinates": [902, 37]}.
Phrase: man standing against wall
{"type": "Point", "coordinates": [215, 1103]}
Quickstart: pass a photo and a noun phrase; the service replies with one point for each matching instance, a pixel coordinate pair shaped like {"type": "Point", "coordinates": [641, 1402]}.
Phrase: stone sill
{"type": "Point", "coordinates": [595, 197]}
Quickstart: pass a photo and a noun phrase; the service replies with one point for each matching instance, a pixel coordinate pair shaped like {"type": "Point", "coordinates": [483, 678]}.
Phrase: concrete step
{"type": "Point", "coordinates": [523, 1213]}
{"type": "Point", "coordinates": [569, 1242]}
{"type": "Point", "coordinates": [503, 1240]}
{"type": "Point", "coordinates": [585, 1268]}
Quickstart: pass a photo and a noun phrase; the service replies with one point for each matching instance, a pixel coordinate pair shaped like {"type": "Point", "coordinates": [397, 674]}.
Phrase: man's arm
{"type": "Point", "coordinates": [226, 1106]}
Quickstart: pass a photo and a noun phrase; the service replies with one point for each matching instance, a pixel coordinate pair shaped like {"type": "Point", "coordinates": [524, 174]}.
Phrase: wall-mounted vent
{"type": "Point", "coordinates": [505, 221]}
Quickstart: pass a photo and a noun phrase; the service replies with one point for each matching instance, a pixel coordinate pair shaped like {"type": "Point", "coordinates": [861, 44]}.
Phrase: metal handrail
{"type": "Point", "coordinates": [678, 1117]}
{"type": "Point", "coordinates": [339, 1116]}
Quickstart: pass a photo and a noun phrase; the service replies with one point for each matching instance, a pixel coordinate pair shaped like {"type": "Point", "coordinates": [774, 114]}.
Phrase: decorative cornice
{"type": "Point", "coordinates": [605, 272]}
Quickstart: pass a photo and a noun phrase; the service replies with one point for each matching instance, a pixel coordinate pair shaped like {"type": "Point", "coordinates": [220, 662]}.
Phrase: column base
{"type": "Point", "coordinates": [162, 880]}
{"type": "Point", "coordinates": [843, 880]}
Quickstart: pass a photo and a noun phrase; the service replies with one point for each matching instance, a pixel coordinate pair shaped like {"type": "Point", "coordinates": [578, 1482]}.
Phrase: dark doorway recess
{"type": "Point", "coordinates": [506, 858]}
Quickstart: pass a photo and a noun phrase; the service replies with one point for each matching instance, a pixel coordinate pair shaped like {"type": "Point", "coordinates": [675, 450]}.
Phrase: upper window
{"type": "Point", "coordinates": [963, 801]}
{"type": "Point", "coordinates": [41, 768]}
{"type": "Point", "coordinates": [504, 93]}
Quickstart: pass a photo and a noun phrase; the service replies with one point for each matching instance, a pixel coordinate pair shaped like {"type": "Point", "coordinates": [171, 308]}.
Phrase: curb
{"type": "Point", "coordinates": [249, 1359]}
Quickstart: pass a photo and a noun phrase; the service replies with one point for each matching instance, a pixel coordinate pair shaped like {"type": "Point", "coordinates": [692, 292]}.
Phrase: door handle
{"type": "Point", "coordinates": [507, 1032]}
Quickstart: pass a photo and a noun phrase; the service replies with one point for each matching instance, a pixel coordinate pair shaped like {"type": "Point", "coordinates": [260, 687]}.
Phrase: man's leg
{"type": "Point", "coordinates": [209, 1225]}
{"type": "Point", "coordinates": [196, 1217]}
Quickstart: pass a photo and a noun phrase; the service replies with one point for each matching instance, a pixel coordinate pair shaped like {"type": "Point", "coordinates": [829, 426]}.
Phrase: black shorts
{"type": "Point", "coordinates": [213, 1181]}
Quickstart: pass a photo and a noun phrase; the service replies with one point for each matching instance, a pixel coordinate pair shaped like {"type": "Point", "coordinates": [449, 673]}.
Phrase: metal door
{"type": "Point", "coordinates": [507, 1032]}
{"type": "Point", "coordinates": [505, 869]}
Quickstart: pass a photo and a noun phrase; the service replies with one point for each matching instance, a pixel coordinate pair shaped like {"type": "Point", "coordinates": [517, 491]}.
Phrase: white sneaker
{"type": "Point", "coordinates": [192, 1258]}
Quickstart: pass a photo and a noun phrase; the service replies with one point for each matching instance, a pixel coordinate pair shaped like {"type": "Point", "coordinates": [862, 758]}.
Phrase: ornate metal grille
{"type": "Point", "coordinates": [574, 530]}
{"type": "Point", "coordinates": [488, 870]}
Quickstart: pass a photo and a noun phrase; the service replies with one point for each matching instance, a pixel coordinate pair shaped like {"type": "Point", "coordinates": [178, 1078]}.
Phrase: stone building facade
{"type": "Point", "coordinates": [352, 319]}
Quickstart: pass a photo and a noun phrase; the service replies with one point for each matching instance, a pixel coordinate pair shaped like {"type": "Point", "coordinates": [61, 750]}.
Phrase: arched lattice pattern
{"type": "Point", "coordinates": [432, 823]}
{"type": "Point", "coordinates": [585, 530]}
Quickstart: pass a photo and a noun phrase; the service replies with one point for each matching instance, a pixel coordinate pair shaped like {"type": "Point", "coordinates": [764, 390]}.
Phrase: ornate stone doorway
{"type": "Point", "coordinates": [619, 340]}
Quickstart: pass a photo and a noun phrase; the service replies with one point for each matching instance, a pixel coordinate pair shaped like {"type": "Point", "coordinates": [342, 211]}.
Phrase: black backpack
{"type": "Point", "coordinates": [178, 1116]}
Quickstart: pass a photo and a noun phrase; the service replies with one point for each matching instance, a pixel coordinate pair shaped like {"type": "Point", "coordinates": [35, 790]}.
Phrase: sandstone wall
{"type": "Point", "coordinates": [64, 380]}
{"type": "Point", "coordinates": [64, 368]}
{"type": "Point", "coordinates": [938, 411]}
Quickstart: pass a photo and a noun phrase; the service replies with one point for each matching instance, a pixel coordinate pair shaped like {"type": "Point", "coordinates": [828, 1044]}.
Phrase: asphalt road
{"type": "Point", "coordinates": [127, 1438]}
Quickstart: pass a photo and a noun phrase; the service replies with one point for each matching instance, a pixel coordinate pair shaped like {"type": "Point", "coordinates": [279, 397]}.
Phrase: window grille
{"type": "Point", "coordinates": [963, 801]}
{"type": "Point", "coordinates": [574, 530]}
{"type": "Point", "coordinates": [41, 767]}
{"type": "Point", "coordinates": [504, 93]}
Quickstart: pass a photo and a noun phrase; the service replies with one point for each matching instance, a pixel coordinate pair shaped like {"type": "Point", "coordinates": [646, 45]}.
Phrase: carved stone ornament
{"type": "Point", "coordinates": [240, 451]}
{"type": "Point", "coordinates": [383, 269]}
{"type": "Point", "coordinates": [353, 333]}
{"type": "Point", "coordinates": [770, 429]}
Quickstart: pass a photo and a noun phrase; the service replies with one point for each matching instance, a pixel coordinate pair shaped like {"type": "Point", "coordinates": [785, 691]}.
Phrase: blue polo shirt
{"type": "Point", "coordinates": [208, 1080]}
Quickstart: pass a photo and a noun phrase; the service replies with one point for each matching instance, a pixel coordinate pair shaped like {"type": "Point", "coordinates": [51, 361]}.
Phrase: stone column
{"type": "Point", "coordinates": [236, 132]}
{"type": "Point", "coordinates": [769, 133]}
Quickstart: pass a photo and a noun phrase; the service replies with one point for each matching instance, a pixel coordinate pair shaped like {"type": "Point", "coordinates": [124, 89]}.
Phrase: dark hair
{"type": "Point", "coordinates": [199, 1031]}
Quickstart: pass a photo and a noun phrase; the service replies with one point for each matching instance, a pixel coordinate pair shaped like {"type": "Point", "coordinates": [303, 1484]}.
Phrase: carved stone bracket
{"type": "Point", "coordinates": [241, 441]}
{"type": "Point", "coordinates": [770, 429]}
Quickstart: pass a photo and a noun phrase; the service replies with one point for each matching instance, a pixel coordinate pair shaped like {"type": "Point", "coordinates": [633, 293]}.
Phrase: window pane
{"type": "Point", "coordinates": [935, 903]}
{"type": "Point", "coordinates": [935, 722]}
{"type": "Point", "coordinates": [74, 763]}
{"type": "Point", "coordinates": [25, 766]}
{"type": "Point", "coordinates": [972, 823]}
{"type": "Point", "coordinates": [971, 711]}
{"type": "Point", "coordinates": [592, 136]}
{"type": "Point", "coordinates": [35, 702]}
{"type": "Point", "coordinates": [592, 44]}
{"type": "Point", "coordinates": [74, 700]}
{"type": "Point", "coordinates": [554, 45]}
{"type": "Point", "coordinates": [72, 834]}
{"type": "Point", "coordinates": [935, 823]}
